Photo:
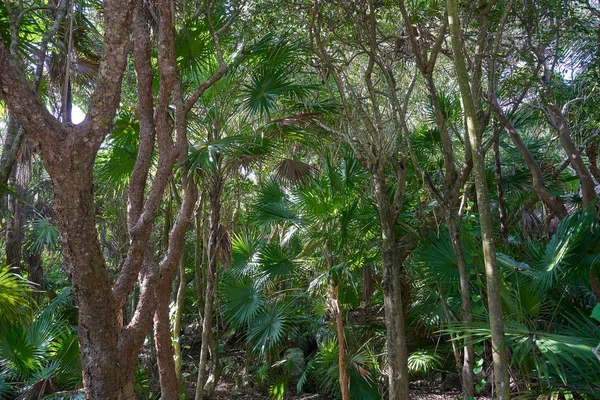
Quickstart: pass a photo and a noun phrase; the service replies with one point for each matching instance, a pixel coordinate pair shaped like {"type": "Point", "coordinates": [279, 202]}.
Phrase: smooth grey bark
{"type": "Point", "coordinates": [449, 196]}
{"type": "Point", "coordinates": [501, 376]}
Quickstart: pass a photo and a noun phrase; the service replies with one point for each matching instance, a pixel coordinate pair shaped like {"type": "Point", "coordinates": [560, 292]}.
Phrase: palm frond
{"type": "Point", "coordinates": [570, 253]}
{"type": "Point", "coordinates": [269, 328]}
{"type": "Point", "coordinates": [14, 298]}
{"type": "Point", "coordinates": [243, 300]}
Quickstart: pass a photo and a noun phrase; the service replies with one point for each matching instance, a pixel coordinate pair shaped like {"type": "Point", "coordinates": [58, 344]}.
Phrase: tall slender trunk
{"type": "Point", "coordinates": [467, 377]}
{"type": "Point", "coordinates": [499, 189]}
{"type": "Point", "coordinates": [177, 322]}
{"type": "Point", "coordinates": [10, 148]}
{"type": "Point", "coordinates": [339, 325]}
{"type": "Point", "coordinates": [215, 221]}
{"type": "Point", "coordinates": [501, 376]}
{"type": "Point", "coordinates": [36, 272]}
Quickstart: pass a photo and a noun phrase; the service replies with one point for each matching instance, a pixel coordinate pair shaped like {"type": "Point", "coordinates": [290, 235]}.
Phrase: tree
{"type": "Point", "coordinates": [470, 99]}
{"type": "Point", "coordinates": [109, 351]}
{"type": "Point", "coordinates": [377, 142]}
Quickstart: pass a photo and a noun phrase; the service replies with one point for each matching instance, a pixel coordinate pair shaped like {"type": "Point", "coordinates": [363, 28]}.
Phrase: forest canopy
{"type": "Point", "coordinates": [299, 199]}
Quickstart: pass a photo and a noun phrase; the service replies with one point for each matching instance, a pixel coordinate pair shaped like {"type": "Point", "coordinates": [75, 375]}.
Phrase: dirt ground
{"type": "Point", "coordinates": [226, 391]}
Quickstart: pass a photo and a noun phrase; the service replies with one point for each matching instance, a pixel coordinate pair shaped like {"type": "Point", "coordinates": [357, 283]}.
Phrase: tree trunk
{"type": "Point", "coordinates": [177, 322]}
{"type": "Point", "coordinates": [467, 376]}
{"type": "Point", "coordinates": [215, 221]}
{"type": "Point", "coordinates": [163, 343]}
{"type": "Point", "coordinates": [499, 189]}
{"type": "Point", "coordinates": [339, 326]}
{"type": "Point", "coordinates": [592, 152]}
{"type": "Point", "coordinates": [554, 203]}
{"type": "Point", "coordinates": [559, 121]}
{"type": "Point", "coordinates": [393, 256]}
{"type": "Point", "coordinates": [10, 148]}
{"type": "Point", "coordinates": [36, 272]}
{"type": "Point", "coordinates": [107, 373]}
{"type": "Point", "coordinates": [501, 376]}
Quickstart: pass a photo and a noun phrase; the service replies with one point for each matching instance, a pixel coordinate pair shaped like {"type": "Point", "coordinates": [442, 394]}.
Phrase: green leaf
{"type": "Point", "coordinates": [596, 312]}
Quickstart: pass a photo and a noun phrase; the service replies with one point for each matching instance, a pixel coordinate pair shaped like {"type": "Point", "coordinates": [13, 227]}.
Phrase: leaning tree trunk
{"type": "Point", "coordinates": [501, 376]}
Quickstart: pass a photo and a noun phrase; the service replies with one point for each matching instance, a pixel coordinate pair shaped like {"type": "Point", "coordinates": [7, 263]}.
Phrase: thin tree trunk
{"type": "Point", "coordinates": [554, 203]}
{"type": "Point", "coordinates": [339, 326]}
{"type": "Point", "coordinates": [500, 191]}
{"type": "Point", "coordinates": [177, 322]}
{"type": "Point", "coordinates": [10, 148]}
{"type": "Point", "coordinates": [559, 121]}
{"type": "Point", "coordinates": [455, 349]}
{"type": "Point", "coordinates": [36, 272]}
{"type": "Point", "coordinates": [215, 221]}
{"type": "Point", "coordinates": [501, 376]}
{"type": "Point", "coordinates": [592, 152]}
{"type": "Point", "coordinates": [467, 375]}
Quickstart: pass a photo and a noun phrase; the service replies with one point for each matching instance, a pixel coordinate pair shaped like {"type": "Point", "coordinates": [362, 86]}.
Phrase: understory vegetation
{"type": "Point", "coordinates": [351, 199]}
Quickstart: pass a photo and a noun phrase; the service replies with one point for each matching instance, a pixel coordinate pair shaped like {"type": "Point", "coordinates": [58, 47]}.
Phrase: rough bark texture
{"type": "Point", "coordinates": [394, 254]}
{"type": "Point", "coordinates": [501, 376]}
{"type": "Point", "coordinates": [215, 222]}
{"type": "Point", "coordinates": [591, 151]}
{"type": "Point", "coordinates": [339, 327]}
{"type": "Point", "coordinates": [177, 323]}
{"type": "Point", "coordinates": [108, 350]}
{"type": "Point", "coordinates": [164, 349]}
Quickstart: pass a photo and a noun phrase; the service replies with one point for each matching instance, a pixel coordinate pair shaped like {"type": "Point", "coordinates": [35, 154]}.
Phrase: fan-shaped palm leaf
{"type": "Point", "coordinates": [269, 328]}
{"type": "Point", "coordinates": [571, 252]}
{"type": "Point", "coordinates": [243, 300]}
{"type": "Point", "coordinates": [14, 298]}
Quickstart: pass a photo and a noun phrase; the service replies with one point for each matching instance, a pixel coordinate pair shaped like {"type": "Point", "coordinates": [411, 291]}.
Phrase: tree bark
{"type": "Point", "coordinates": [163, 343]}
{"type": "Point", "coordinates": [591, 151]}
{"type": "Point", "coordinates": [215, 222]}
{"type": "Point", "coordinates": [561, 124]}
{"type": "Point", "coordinates": [393, 256]}
{"type": "Point", "coordinates": [339, 327]}
{"type": "Point", "coordinates": [10, 148]}
{"type": "Point", "coordinates": [501, 376]}
{"type": "Point", "coordinates": [554, 203]}
{"type": "Point", "coordinates": [177, 323]}
{"type": "Point", "coordinates": [467, 377]}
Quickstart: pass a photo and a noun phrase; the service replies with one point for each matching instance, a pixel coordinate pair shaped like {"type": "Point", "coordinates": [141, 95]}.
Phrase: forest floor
{"type": "Point", "coordinates": [225, 391]}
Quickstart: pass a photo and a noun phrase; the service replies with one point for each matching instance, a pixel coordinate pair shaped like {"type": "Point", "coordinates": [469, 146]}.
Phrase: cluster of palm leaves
{"type": "Point", "coordinates": [39, 351]}
{"type": "Point", "coordinates": [547, 301]}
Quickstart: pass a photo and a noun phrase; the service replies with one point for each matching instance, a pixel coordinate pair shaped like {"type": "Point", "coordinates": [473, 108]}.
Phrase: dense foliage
{"type": "Point", "coordinates": [309, 127]}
